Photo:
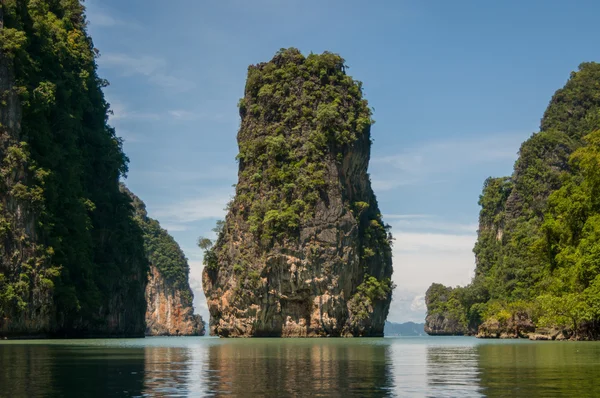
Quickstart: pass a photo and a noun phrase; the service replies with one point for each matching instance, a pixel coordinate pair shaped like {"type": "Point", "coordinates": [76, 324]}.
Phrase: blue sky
{"type": "Point", "coordinates": [456, 87]}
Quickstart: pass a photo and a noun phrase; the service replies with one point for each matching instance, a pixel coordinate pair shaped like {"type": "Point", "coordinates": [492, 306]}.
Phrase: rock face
{"type": "Point", "coordinates": [538, 237]}
{"type": "Point", "coordinates": [519, 325]}
{"type": "Point", "coordinates": [19, 214]}
{"type": "Point", "coordinates": [444, 325]}
{"type": "Point", "coordinates": [71, 259]}
{"type": "Point", "coordinates": [169, 312]}
{"type": "Point", "coordinates": [444, 313]}
{"type": "Point", "coordinates": [303, 251]}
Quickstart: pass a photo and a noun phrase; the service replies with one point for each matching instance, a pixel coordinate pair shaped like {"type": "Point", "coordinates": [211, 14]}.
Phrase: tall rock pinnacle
{"type": "Point", "coordinates": [303, 250]}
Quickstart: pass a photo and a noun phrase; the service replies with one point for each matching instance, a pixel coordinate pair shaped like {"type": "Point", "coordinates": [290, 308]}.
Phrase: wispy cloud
{"type": "Point", "coordinates": [428, 242]}
{"type": "Point", "coordinates": [418, 304]}
{"type": "Point", "coordinates": [407, 216]}
{"type": "Point", "coordinates": [437, 161]}
{"type": "Point", "coordinates": [153, 68]}
{"type": "Point", "coordinates": [427, 249]}
{"type": "Point", "coordinates": [423, 259]}
{"type": "Point", "coordinates": [130, 137]}
{"type": "Point", "coordinates": [191, 210]}
{"type": "Point", "coordinates": [99, 16]}
{"type": "Point", "coordinates": [424, 222]}
{"type": "Point", "coordinates": [221, 173]}
{"type": "Point", "coordinates": [465, 151]}
{"type": "Point", "coordinates": [120, 111]}
{"type": "Point", "coordinates": [143, 65]}
{"type": "Point", "coordinates": [175, 227]}
{"type": "Point", "coordinates": [186, 115]}
{"type": "Point", "coordinates": [183, 114]}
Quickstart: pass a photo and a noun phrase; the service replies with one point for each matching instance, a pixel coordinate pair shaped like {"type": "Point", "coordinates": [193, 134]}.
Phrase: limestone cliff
{"type": "Point", "coordinates": [169, 311]}
{"type": "Point", "coordinates": [536, 256]}
{"type": "Point", "coordinates": [169, 298]}
{"type": "Point", "coordinates": [16, 214]}
{"type": "Point", "coordinates": [303, 250]}
{"type": "Point", "coordinates": [444, 313]}
{"type": "Point", "coordinates": [71, 258]}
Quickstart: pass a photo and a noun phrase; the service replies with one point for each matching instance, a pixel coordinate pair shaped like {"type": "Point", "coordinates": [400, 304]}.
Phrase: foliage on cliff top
{"type": "Point", "coordinates": [83, 220]}
{"type": "Point", "coordinates": [301, 116]}
{"type": "Point", "coordinates": [297, 112]}
{"type": "Point", "coordinates": [539, 235]}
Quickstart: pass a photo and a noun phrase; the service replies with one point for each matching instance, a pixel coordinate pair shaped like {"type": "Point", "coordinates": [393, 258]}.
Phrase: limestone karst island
{"type": "Point", "coordinates": [303, 250]}
{"type": "Point", "coordinates": [199, 203]}
{"type": "Point", "coordinates": [538, 246]}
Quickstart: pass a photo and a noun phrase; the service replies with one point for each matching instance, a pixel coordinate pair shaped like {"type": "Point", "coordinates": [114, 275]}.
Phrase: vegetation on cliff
{"type": "Point", "coordinates": [538, 246]}
{"type": "Point", "coordinates": [170, 309]}
{"type": "Point", "coordinates": [162, 250]}
{"type": "Point", "coordinates": [72, 255]}
{"type": "Point", "coordinates": [299, 110]}
{"type": "Point", "coordinates": [304, 147]}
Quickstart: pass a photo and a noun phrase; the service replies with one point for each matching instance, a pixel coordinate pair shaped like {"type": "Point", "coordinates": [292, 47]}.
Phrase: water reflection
{"type": "Point", "coordinates": [300, 367]}
{"type": "Point", "coordinates": [33, 370]}
{"type": "Point", "coordinates": [452, 371]}
{"type": "Point", "coordinates": [200, 367]}
{"type": "Point", "coordinates": [18, 366]}
{"type": "Point", "coordinates": [545, 369]}
{"type": "Point", "coordinates": [197, 367]}
{"type": "Point", "coordinates": [166, 370]}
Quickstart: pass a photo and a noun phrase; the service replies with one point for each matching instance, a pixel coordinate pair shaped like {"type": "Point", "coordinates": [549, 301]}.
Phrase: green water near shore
{"type": "Point", "coordinates": [201, 366]}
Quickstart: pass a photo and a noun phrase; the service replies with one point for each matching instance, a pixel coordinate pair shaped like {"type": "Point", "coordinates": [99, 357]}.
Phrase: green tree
{"type": "Point", "coordinates": [84, 263]}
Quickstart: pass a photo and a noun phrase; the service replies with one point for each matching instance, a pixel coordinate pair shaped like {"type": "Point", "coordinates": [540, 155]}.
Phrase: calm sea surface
{"type": "Point", "coordinates": [203, 366]}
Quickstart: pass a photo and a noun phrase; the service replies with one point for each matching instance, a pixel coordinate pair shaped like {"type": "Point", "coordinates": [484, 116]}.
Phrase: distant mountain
{"type": "Point", "coordinates": [404, 329]}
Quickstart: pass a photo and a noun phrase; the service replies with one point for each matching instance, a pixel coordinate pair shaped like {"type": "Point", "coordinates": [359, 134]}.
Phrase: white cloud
{"type": "Point", "coordinates": [182, 114]}
{"type": "Point", "coordinates": [407, 216]}
{"type": "Point", "coordinates": [191, 210]}
{"type": "Point", "coordinates": [387, 185]}
{"type": "Point", "coordinates": [420, 242]}
{"type": "Point", "coordinates": [120, 111]}
{"type": "Point", "coordinates": [446, 259]}
{"type": "Point", "coordinates": [175, 227]}
{"type": "Point", "coordinates": [98, 16]}
{"type": "Point", "coordinates": [171, 82]}
{"type": "Point", "coordinates": [218, 173]}
{"type": "Point", "coordinates": [129, 137]}
{"type": "Point", "coordinates": [407, 307]}
{"type": "Point", "coordinates": [151, 67]}
{"type": "Point", "coordinates": [428, 223]}
{"type": "Point", "coordinates": [200, 306]}
{"type": "Point", "coordinates": [130, 65]}
{"type": "Point", "coordinates": [465, 151]}
{"type": "Point", "coordinates": [437, 161]}
{"type": "Point", "coordinates": [418, 304]}
{"type": "Point", "coordinates": [416, 271]}
{"type": "Point", "coordinates": [427, 250]}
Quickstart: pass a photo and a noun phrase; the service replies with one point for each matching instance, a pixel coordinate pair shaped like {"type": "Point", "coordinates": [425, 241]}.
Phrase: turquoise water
{"type": "Point", "coordinates": [204, 366]}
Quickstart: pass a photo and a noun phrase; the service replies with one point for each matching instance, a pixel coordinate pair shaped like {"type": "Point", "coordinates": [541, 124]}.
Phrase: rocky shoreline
{"type": "Point", "coordinates": [522, 328]}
